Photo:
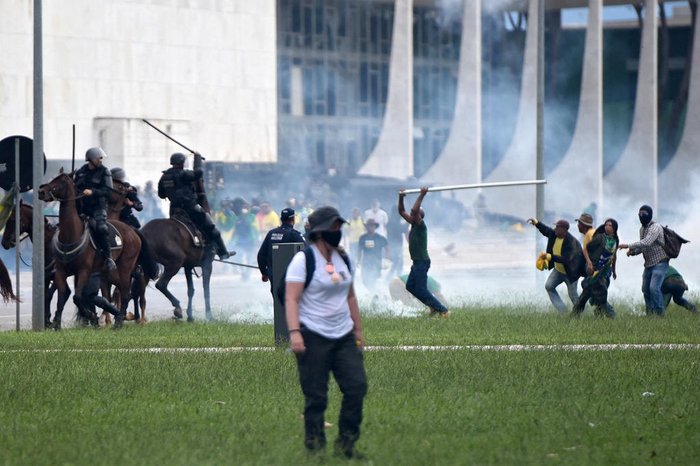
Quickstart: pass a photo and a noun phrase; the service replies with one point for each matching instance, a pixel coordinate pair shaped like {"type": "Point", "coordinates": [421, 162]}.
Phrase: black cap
{"type": "Point", "coordinates": [323, 218]}
{"type": "Point", "coordinates": [286, 214]}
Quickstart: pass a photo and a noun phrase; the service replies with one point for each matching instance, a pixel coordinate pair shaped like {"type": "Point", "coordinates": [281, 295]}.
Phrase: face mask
{"type": "Point", "coordinates": [644, 219]}
{"type": "Point", "coordinates": [244, 211]}
{"type": "Point", "coordinates": [332, 237]}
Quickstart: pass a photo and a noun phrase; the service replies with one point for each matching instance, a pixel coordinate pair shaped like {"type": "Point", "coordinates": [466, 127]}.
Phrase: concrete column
{"type": "Point", "coordinates": [679, 180]}
{"type": "Point", "coordinates": [393, 155]}
{"type": "Point", "coordinates": [460, 160]}
{"type": "Point", "coordinates": [578, 179]}
{"type": "Point", "coordinates": [633, 180]}
{"type": "Point", "coordinates": [519, 161]}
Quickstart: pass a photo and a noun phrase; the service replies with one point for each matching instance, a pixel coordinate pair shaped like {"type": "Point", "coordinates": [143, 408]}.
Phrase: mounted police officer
{"type": "Point", "coordinates": [131, 200]}
{"type": "Point", "coordinates": [94, 181]}
{"type": "Point", "coordinates": [177, 185]}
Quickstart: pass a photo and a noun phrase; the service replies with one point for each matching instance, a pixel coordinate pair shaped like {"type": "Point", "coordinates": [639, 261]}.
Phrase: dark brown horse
{"type": "Point", "coordinates": [6, 292]}
{"type": "Point", "coordinates": [149, 269]}
{"type": "Point", "coordinates": [174, 248]}
{"type": "Point", "coordinates": [9, 240]}
{"type": "Point", "coordinates": [75, 255]}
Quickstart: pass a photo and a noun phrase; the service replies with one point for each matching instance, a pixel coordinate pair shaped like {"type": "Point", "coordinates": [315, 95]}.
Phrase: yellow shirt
{"type": "Point", "coordinates": [556, 251]}
{"type": "Point", "coordinates": [588, 237]}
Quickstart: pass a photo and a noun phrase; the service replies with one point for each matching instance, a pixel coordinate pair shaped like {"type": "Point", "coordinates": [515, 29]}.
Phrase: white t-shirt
{"type": "Point", "coordinates": [381, 217]}
{"type": "Point", "coordinates": [323, 307]}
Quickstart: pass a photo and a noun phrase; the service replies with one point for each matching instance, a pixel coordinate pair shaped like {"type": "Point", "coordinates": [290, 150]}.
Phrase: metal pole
{"type": "Point", "coordinates": [540, 109]}
{"type": "Point", "coordinates": [72, 165]}
{"type": "Point", "coordinates": [496, 184]}
{"type": "Point", "coordinates": [16, 188]}
{"type": "Point", "coordinates": [38, 288]}
{"type": "Point", "coordinates": [539, 193]}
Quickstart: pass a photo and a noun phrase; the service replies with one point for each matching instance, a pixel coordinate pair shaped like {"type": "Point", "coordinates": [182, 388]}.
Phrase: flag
{"type": "Point", "coordinates": [7, 205]}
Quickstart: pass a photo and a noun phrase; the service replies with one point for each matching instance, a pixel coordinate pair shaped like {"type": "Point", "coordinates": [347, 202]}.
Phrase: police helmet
{"type": "Point", "coordinates": [94, 153]}
{"type": "Point", "coordinates": [118, 174]}
{"type": "Point", "coordinates": [177, 159]}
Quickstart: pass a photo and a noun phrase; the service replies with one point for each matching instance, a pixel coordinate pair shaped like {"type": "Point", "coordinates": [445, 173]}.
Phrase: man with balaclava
{"type": "Point", "coordinates": [564, 259]}
{"type": "Point", "coordinates": [651, 246]}
{"type": "Point", "coordinates": [94, 183]}
{"type": "Point", "coordinates": [177, 184]}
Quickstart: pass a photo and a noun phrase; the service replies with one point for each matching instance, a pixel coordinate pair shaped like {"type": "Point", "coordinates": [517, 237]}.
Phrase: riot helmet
{"type": "Point", "coordinates": [177, 159]}
{"type": "Point", "coordinates": [118, 174]}
{"type": "Point", "coordinates": [94, 153]}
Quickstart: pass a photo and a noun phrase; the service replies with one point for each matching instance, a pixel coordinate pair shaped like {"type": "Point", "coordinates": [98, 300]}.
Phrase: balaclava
{"type": "Point", "coordinates": [645, 219]}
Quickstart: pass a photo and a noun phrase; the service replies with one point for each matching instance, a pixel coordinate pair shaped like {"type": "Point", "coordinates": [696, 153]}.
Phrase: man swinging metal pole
{"type": "Point", "coordinates": [478, 185]}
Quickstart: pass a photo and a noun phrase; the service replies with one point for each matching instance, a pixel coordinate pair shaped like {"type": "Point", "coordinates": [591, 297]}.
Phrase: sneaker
{"type": "Point", "coordinates": [347, 451]}
{"type": "Point", "coordinates": [444, 314]}
{"type": "Point", "coordinates": [110, 265]}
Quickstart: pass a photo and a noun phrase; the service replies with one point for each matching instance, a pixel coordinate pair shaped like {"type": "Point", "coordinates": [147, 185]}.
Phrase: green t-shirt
{"type": "Point", "coordinates": [418, 242]}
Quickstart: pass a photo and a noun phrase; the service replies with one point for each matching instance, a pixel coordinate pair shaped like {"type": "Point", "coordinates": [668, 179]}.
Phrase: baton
{"type": "Point", "coordinates": [169, 136]}
{"type": "Point", "coordinates": [477, 185]}
{"type": "Point", "coordinates": [236, 263]}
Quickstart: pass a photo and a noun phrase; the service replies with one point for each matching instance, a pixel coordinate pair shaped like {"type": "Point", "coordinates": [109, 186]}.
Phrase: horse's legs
{"type": "Point", "coordinates": [105, 290]}
{"type": "Point", "coordinates": [50, 290]}
{"type": "Point", "coordinates": [206, 279]}
{"type": "Point", "coordinates": [63, 294]}
{"type": "Point", "coordinates": [190, 293]}
{"type": "Point", "coordinates": [162, 285]}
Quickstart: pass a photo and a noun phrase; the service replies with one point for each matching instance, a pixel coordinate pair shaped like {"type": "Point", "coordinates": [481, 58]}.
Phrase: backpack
{"type": "Point", "coordinates": [310, 269]}
{"type": "Point", "coordinates": [672, 242]}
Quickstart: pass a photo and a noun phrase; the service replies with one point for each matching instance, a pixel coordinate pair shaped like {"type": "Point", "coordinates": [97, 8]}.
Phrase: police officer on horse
{"type": "Point", "coordinates": [132, 200]}
{"type": "Point", "coordinates": [94, 181]}
{"type": "Point", "coordinates": [177, 185]}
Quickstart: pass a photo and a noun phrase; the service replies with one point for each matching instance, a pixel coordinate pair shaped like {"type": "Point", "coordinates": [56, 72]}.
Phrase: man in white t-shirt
{"type": "Point", "coordinates": [379, 215]}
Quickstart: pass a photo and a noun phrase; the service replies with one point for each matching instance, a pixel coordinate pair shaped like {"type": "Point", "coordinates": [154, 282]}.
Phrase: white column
{"type": "Point", "coordinates": [578, 179]}
{"type": "Point", "coordinates": [393, 155]}
{"type": "Point", "coordinates": [633, 180]}
{"type": "Point", "coordinates": [679, 180]}
{"type": "Point", "coordinates": [460, 160]}
{"type": "Point", "coordinates": [519, 161]}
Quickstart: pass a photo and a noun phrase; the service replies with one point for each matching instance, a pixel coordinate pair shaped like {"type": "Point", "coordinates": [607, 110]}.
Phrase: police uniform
{"type": "Point", "coordinates": [99, 181]}
{"type": "Point", "coordinates": [177, 185]}
{"type": "Point", "coordinates": [284, 233]}
{"type": "Point", "coordinates": [127, 215]}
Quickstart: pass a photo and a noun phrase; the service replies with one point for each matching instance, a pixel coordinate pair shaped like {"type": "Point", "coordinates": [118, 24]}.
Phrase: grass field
{"type": "Point", "coordinates": [86, 396]}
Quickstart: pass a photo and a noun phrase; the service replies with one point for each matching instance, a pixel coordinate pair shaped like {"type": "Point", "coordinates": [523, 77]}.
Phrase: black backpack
{"type": "Point", "coordinates": [310, 269]}
{"type": "Point", "coordinates": [672, 242]}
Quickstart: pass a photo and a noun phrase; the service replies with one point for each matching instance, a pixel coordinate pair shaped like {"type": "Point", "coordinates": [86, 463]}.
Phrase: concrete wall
{"type": "Point", "coordinates": [204, 68]}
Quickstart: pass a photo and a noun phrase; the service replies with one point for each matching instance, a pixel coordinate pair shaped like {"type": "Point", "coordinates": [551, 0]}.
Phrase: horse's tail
{"type": "Point", "coordinates": [6, 285]}
{"type": "Point", "coordinates": [147, 261]}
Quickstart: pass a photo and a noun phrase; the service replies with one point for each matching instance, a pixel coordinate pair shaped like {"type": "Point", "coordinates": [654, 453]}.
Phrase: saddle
{"type": "Point", "coordinates": [67, 252]}
{"type": "Point", "coordinates": [180, 216]}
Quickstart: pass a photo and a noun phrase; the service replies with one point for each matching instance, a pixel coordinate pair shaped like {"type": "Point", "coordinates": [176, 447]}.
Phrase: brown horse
{"type": "Point", "coordinates": [174, 248]}
{"type": "Point", "coordinates": [149, 269]}
{"type": "Point", "coordinates": [6, 292]}
{"type": "Point", "coordinates": [75, 255]}
{"type": "Point", "coordinates": [9, 240]}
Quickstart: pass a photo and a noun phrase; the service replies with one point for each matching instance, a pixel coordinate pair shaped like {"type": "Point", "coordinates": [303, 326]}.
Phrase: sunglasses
{"type": "Point", "coordinates": [330, 268]}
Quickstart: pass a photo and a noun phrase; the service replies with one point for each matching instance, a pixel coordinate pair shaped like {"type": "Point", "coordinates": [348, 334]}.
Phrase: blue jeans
{"type": "Point", "coordinates": [652, 279]}
{"type": "Point", "coordinates": [417, 285]}
{"type": "Point", "coordinates": [555, 279]}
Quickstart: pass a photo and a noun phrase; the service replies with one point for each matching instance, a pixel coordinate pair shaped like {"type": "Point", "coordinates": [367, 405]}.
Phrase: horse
{"type": "Point", "coordinates": [75, 255]}
{"type": "Point", "coordinates": [174, 248]}
{"type": "Point", "coordinates": [149, 268]}
{"type": "Point", "coordinates": [9, 240]}
{"type": "Point", "coordinates": [6, 292]}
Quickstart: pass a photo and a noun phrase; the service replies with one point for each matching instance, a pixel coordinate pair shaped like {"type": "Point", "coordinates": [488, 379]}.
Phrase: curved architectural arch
{"type": "Point", "coordinates": [460, 160]}
{"type": "Point", "coordinates": [633, 180]}
{"type": "Point", "coordinates": [393, 155]}
{"type": "Point", "coordinates": [578, 179]}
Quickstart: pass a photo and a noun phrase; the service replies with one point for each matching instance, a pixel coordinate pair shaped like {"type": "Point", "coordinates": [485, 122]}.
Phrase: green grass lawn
{"type": "Point", "coordinates": [554, 406]}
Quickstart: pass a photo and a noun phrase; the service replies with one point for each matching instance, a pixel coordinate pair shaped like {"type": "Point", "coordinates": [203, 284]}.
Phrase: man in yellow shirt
{"type": "Point", "coordinates": [565, 260]}
{"type": "Point", "coordinates": [585, 227]}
